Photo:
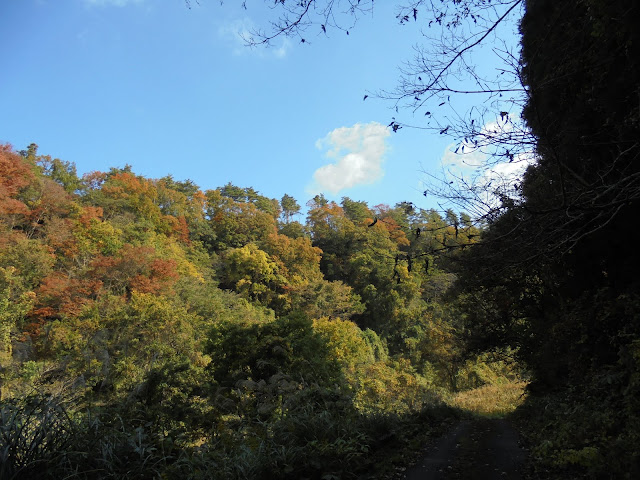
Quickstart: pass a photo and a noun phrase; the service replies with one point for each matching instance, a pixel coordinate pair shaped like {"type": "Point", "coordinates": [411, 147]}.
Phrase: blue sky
{"type": "Point", "coordinates": [172, 90]}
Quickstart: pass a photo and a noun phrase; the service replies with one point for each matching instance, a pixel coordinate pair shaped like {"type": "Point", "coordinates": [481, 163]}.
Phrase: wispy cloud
{"type": "Point", "coordinates": [490, 176]}
{"type": "Point", "coordinates": [358, 153]}
{"type": "Point", "coordinates": [463, 156]}
{"type": "Point", "coordinates": [236, 33]}
{"type": "Point", "coordinates": [480, 157]}
{"type": "Point", "coordinates": [465, 161]}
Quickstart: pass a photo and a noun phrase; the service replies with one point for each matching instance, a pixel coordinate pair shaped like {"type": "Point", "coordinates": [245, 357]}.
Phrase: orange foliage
{"type": "Point", "coordinates": [135, 269]}
{"type": "Point", "coordinates": [60, 237]}
{"type": "Point", "coordinates": [90, 213]}
{"type": "Point", "coordinates": [389, 223]}
{"type": "Point", "coordinates": [295, 257]}
{"type": "Point", "coordinates": [15, 174]}
{"type": "Point", "coordinates": [69, 295]}
{"type": "Point", "coordinates": [396, 233]}
{"type": "Point", "coordinates": [326, 217]}
{"type": "Point", "coordinates": [53, 201]}
{"type": "Point", "coordinates": [60, 296]}
{"type": "Point", "coordinates": [124, 184]}
{"type": "Point", "coordinates": [160, 279]}
{"type": "Point", "coordinates": [199, 200]}
{"type": "Point", "coordinates": [94, 180]}
{"type": "Point", "coordinates": [178, 228]}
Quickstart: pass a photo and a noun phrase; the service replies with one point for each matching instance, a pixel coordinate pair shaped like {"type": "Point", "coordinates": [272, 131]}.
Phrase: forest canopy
{"type": "Point", "coordinates": [212, 316]}
{"type": "Point", "coordinates": [152, 329]}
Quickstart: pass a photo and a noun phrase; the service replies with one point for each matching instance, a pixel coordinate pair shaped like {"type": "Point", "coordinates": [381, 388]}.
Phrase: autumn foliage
{"type": "Point", "coordinates": [213, 315]}
{"type": "Point", "coordinates": [15, 175]}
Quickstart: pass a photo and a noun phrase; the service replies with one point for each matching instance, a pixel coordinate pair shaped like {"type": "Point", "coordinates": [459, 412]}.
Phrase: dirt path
{"type": "Point", "coordinates": [475, 449]}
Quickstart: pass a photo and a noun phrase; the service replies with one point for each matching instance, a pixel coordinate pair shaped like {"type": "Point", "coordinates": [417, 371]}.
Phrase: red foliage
{"type": "Point", "coordinates": [67, 295]}
{"type": "Point", "coordinates": [161, 278]}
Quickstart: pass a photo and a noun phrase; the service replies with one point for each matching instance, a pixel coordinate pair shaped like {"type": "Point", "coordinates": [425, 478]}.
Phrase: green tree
{"type": "Point", "coordinates": [15, 303]}
{"type": "Point", "coordinates": [357, 212]}
{"type": "Point", "coordinates": [554, 274]}
{"type": "Point", "coordinates": [63, 173]}
{"type": "Point", "coordinates": [293, 230]}
{"type": "Point", "coordinates": [289, 207]}
{"type": "Point", "coordinates": [249, 195]}
{"type": "Point", "coordinates": [234, 224]}
{"type": "Point", "coordinates": [327, 299]}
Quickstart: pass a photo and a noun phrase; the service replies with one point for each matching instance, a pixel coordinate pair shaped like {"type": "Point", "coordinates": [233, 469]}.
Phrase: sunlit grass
{"type": "Point", "coordinates": [491, 400]}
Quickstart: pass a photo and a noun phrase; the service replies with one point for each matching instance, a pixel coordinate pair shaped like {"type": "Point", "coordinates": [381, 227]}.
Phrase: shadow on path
{"type": "Point", "coordinates": [478, 449]}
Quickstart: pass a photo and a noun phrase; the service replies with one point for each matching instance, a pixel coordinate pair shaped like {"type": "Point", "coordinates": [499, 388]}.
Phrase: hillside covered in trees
{"type": "Point", "coordinates": [149, 329]}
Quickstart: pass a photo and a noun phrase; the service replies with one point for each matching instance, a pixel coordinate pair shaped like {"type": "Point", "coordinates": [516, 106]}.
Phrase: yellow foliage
{"type": "Point", "coordinates": [394, 389]}
{"type": "Point", "coordinates": [171, 248]}
{"type": "Point", "coordinates": [491, 400]}
{"type": "Point", "coordinates": [345, 340]}
{"type": "Point", "coordinates": [98, 236]}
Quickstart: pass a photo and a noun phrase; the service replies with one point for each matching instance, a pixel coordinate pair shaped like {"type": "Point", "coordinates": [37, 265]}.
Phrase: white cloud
{"type": "Point", "coordinates": [358, 152]}
{"type": "Point", "coordinates": [236, 34]}
{"type": "Point", "coordinates": [508, 173]}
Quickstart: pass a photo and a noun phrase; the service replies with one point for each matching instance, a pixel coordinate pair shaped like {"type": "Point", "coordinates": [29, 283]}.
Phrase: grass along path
{"type": "Point", "coordinates": [483, 445]}
{"type": "Point", "coordinates": [494, 401]}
